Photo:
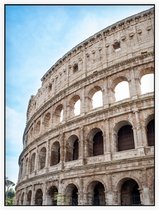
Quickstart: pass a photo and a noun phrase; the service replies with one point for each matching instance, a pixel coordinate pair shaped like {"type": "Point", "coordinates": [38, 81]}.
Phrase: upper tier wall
{"type": "Point", "coordinates": [128, 38]}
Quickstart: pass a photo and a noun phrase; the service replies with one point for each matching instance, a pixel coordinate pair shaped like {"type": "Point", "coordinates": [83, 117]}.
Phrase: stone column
{"type": "Point", "coordinates": [44, 187]}
{"type": "Point", "coordinates": [81, 145]}
{"type": "Point", "coordinates": [80, 193]}
{"type": "Point", "coordinates": [85, 195]}
{"type": "Point", "coordinates": [82, 105]}
{"type": "Point", "coordinates": [62, 150]}
{"type": "Point", "coordinates": [47, 156]}
{"type": "Point", "coordinates": [138, 130]}
{"type": "Point", "coordinates": [145, 196]}
{"type": "Point", "coordinates": [36, 160]}
{"type": "Point", "coordinates": [65, 111]}
{"type": "Point", "coordinates": [33, 196]}
{"type": "Point", "coordinates": [105, 94]}
{"type": "Point", "coordinates": [25, 197]}
{"type": "Point", "coordinates": [60, 197]}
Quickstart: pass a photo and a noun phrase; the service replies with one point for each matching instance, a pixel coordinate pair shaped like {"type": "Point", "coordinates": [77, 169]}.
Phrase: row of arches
{"type": "Point", "coordinates": [128, 194]}
{"type": "Point", "coordinates": [95, 146]}
{"type": "Point", "coordinates": [95, 100]}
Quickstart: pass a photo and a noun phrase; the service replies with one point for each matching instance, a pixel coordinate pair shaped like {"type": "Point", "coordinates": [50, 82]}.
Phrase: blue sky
{"type": "Point", "coordinates": [36, 37]}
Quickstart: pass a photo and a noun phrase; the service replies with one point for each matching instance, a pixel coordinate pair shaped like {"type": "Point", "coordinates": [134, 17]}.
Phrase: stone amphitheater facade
{"type": "Point", "coordinates": [102, 155]}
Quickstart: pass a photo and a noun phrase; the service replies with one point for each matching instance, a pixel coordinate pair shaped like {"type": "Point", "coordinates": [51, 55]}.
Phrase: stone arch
{"type": "Point", "coordinates": [58, 114]}
{"type": "Point", "coordinates": [22, 199]}
{"type": "Point", "coordinates": [119, 84]}
{"type": "Point", "coordinates": [55, 153]}
{"type": "Point", "coordinates": [129, 191]}
{"type": "Point", "coordinates": [39, 197]}
{"type": "Point", "coordinates": [95, 142]}
{"type": "Point", "coordinates": [124, 136]}
{"type": "Point", "coordinates": [95, 94]}
{"type": "Point", "coordinates": [72, 148]}
{"type": "Point", "coordinates": [47, 119]}
{"type": "Point", "coordinates": [37, 127]}
{"type": "Point", "coordinates": [32, 163]}
{"type": "Point", "coordinates": [96, 193]}
{"type": "Point", "coordinates": [26, 166]}
{"type": "Point", "coordinates": [150, 131]}
{"type": "Point", "coordinates": [42, 158]}
{"type": "Point", "coordinates": [71, 195]}
{"type": "Point", "coordinates": [75, 106]}
{"type": "Point", "coordinates": [147, 83]}
{"type": "Point", "coordinates": [29, 195]}
{"type": "Point", "coordinates": [52, 194]}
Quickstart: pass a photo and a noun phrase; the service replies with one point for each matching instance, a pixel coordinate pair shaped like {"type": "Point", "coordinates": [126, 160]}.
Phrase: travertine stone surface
{"type": "Point", "coordinates": [121, 52]}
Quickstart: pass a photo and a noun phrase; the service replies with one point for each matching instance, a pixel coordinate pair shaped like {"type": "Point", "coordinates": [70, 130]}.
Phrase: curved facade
{"type": "Point", "coordinates": [103, 153]}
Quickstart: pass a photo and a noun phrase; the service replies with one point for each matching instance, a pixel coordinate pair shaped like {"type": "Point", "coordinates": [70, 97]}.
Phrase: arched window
{"type": "Point", "coordinates": [29, 197]}
{"type": "Point", "coordinates": [130, 195]}
{"type": "Point", "coordinates": [37, 127]}
{"type": "Point", "coordinates": [42, 158]}
{"type": "Point", "coordinates": [95, 146]}
{"type": "Point", "coordinates": [39, 197]}
{"type": "Point", "coordinates": [72, 148]}
{"type": "Point", "coordinates": [96, 194]}
{"type": "Point", "coordinates": [97, 99]}
{"type": "Point", "coordinates": [22, 199]}
{"type": "Point", "coordinates": [55, 153]}
{"type": "Point", "coordinates": [32, 163]}
{"type": "Point", "coordinates": [147, 83]}
{"type": "Point", "coordinates": [122, 91]}
{"type": "Point", "coordinates": [59, 114]}
{"type": "Point", "coordinates": [151, 133]}
{"type": "Point", "coordinates": [125, 138]}
{"type": "Point", "coordinates": [72, 195]}
{"type": "Point", "coordinates": [52, 196]}
{"type": "Point", "coordinates": [47, 120]}
{"type": "Point", "coordinates": [75, 106]}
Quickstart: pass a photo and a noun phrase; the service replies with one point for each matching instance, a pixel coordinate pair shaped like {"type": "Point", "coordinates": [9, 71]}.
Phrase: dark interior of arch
{"type": "Point", "coordinates": [39, 198]}
{"type": "Point", "coordinates": [125, 138]}
{"type": "Point", "coordinates": [151, 133]}
{"type": "Point", "coordinates": [42, 158]}
{"type": "Point", "coordinates": [72, 152]}
{"type": "Point", "coordinates": [74, 199]}
{"type": "Point", "coordinates": [98, 144]}
{"type": "Point", "coordinates": [75, 150]}
{"type": "Point", "coordinates": [55, 154]}
{"type": "Point", "coordinates": [130, 195]}
{"type": "Point", "coordinates": [29, 198]}
{"type": "Point", "coordinates": [53, 194]}
{"type": "Point", "coordinates": [98, 195]}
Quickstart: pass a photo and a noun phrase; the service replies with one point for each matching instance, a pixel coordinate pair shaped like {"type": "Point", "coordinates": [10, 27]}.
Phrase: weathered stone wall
{"type": "Point", "coordinates": [121, 52]}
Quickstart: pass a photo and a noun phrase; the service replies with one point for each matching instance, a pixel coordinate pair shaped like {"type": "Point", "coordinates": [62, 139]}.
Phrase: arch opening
{"type": "Point", "coordinates": [130, 195]}
{"type": "Point", "coordinates": [147, 83]}
{"type": "Point", "coordinates": [39, 197]}
{"type": "Point", "coordinates": [52, 196]}
{"type": "Point", "coordinates": [72, 148]}
{"type": "Point", "coordinates": [72, 195]}
{"type": "Point", "coordinates": [125, 138]}
{"type": "Point", "coordinates": [151, 133]}
{"type": "Point", "coordinates": [42, 158]}
{"type": "Point", "coordinates": [55, 153]}
{"type": "Point", "coordinates": [122, 91]}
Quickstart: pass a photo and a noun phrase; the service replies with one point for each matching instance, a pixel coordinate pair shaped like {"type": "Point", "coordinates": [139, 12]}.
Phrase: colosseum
{"type": "Point", "coordinates": [103, 152]}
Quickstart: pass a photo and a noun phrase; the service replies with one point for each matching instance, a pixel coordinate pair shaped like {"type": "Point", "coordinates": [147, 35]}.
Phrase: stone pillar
{"type": "Point", "coordinates": [81, 145]}
{"type": "Point", "coordinates": [36, 160]}
{"type": "Point", "coordinates": [114, 142]}
{"type": "Point", "coordinates": [82, 105]}
{"type": "Point", "coordinates": [85, 202]}
{"type": "Point", "coordinates": [65, 111]}
{"type": "Point", "coordinates": [107, 139]}
{"type": "Point", "coordinates": [33, 196]}
{"type": "Point", "coordinates": [62, 150]}
{"type": "Point", "coordinates": [44, 194]}
{"type": "Point", "coordinates": [105, 94]}
{"type": "Point", "coordinates": [138, 130]}
{"type": "Point", "coordinates": [80, 192]}
{"type": "Point", "coordinates": [47, 156]}
{"type": "Point", "coordinates": [60, 196]}
{"type": "Point", "coordinates": [25, 197]}
{"type": "Point", "coordinates": [145, 196]}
